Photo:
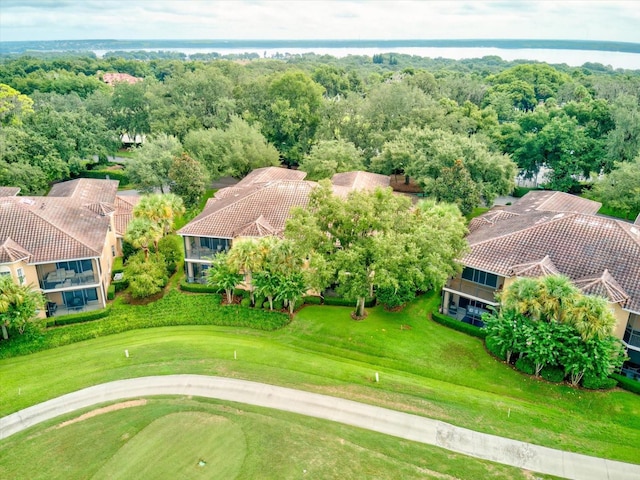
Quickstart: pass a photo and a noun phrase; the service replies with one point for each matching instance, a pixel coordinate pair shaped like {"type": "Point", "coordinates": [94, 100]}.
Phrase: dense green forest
{"type": "Point", "coordinates": [461, 130]}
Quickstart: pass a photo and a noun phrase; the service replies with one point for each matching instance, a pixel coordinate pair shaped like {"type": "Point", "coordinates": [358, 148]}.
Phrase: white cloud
{"type": "Point", "coordinates": [347, 19]}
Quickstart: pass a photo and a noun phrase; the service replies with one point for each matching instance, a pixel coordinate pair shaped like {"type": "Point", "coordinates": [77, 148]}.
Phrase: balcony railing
{"type": "Point", "coordinates": [201, 253]}
{"type": "Point", "coordinates": [60, 279]}
{"type": "Point", "coordinates": [470, 288]}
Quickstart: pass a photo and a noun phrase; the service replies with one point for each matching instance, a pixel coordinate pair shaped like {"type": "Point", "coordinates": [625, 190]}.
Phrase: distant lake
{"type": "Point", "coordinates": [574, 58]}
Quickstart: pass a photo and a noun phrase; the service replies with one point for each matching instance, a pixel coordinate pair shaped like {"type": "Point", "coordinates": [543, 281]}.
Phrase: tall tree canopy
{"type": "Point", "coordinates": [375, 240]}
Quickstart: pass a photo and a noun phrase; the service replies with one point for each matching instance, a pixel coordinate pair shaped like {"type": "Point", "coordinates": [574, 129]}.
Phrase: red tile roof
{"type": "Point", "coordinates": [70, 223]}
{"type": "Point", "coordinates": [578, 245]}
{"type": "Point", "coordinates": [113, 78]}
{"type": "Point", "coordinates": [256, 210]}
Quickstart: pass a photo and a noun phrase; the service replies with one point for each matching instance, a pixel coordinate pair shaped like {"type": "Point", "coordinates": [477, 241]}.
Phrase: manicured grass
{"type": "Point", "coordinates": [476, 212]}
{"type": "Point", "coordinates": [167, 437]}
{"type": "Point", "coordinates": [424, 368]}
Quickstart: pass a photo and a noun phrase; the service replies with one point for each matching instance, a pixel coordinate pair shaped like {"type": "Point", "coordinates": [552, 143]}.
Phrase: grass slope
{"type": "Point", "coordinates": [424, 368]}
{"type": "Point", "coordinates": [167, 437]}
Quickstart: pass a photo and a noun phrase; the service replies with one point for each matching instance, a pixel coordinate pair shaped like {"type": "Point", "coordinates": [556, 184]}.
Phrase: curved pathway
{"type": "Point", "coordinates": [403, 425]}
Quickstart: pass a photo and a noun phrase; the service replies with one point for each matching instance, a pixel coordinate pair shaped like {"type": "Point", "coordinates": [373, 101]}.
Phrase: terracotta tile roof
{"type": "Point", "coordinates": [359, 180]}
{"type": "Point", "coordinates": [113, 78]}
{"type": "Point", "coordinates": [270, 174]}
{"type": "Point", "coordinates": [259, 209]}
{"type": "Point", "coordinates": [490, 218]}
{"type": "Point", "coordinates": [551, 201]}
{"type": "Point", "coordinates": [87, 190]}
{"type": "Point", "coordinates": [124, 212]}
{"type": "Point", "coordinates": [603, 285]}
{"type": "Point", "coordinates": [9, 191]}
{"type": "Point", "coordinates": [72, 222]}
{"type": "Point", "coordinates": [535, 269]}
{"type": "Point", "coordinates": [260, 227]}
{"type": "Point", "coordinates": [578, 245]}
{"type": "Point", "coordinates": [11, 252]}
{"type": "Point", "coordinates": [52, 229]}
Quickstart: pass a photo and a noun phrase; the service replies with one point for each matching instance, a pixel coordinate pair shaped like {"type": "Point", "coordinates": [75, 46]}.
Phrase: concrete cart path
{"type": "Point", "coordinates": [403, 425]}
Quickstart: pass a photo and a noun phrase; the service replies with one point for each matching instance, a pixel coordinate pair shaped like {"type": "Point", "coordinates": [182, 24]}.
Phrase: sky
{"type": "Point", "coordinates": [613, 20]}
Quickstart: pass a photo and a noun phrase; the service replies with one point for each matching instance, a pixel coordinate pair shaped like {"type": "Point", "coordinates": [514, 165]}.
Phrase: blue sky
{"type": "Point", "coordinates": [615, 20]}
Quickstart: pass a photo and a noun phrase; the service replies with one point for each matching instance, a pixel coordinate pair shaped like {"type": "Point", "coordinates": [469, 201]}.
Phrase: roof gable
{"type": "Point", "coordinates": [603, 285]}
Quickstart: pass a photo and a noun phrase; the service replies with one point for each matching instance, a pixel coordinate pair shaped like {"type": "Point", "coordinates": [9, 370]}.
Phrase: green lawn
{"type": "Point", "coordinates": [168, 437]}
{"type": "Point", "coordinates": [425, 368]}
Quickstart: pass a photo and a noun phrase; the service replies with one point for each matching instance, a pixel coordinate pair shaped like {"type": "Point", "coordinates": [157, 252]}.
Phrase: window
{"type": "Point", "coordinates": [113, 251]}
{"type": "Point", "coordinates": [481, 277]}
{"type": "Point", "coordinates": [21, 276]}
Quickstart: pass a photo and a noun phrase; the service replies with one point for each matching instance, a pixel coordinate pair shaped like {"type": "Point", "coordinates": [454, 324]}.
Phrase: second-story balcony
{"type": "Point", "coordinates": [473, 289]}
{"type": "Point", "coordinates": [61, 278]}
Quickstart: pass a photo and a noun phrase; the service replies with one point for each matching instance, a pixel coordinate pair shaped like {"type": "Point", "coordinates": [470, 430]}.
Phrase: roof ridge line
{"type": "Point", "coordinates": [64, 232]}
{"type": "Point", "coordinates": [532, 227]}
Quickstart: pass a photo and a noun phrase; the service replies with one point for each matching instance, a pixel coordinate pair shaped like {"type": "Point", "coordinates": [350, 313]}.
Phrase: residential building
{"type": "Point", "coordinates": [547, 233]}
{"type": "Point", "coordinates": [257, 206]}
{"type": "Point", "coordinates": [62, 243]}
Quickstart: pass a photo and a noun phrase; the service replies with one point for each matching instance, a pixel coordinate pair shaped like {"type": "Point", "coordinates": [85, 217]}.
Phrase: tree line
{"type": "Point", "coordinates": [460, 129]}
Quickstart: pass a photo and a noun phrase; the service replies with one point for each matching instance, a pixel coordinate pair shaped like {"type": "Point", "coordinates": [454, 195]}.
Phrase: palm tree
{"type": "Point", "coordinates": [142, 233]}
{"type": "Point", "coordinates": [161, 209]}
{"type": "Point", "coordinates": [592, 317]}
{"type": "Point", "coordinates": [222, 275]}
{"type": "Point", "coordinates": [247, 256]}
{"type": "Point", "coordinates": [523, 296]}
{"type": "Point", "coordinates": [18, 304]}
{"type": "Point", "coordinates": [556, 295]}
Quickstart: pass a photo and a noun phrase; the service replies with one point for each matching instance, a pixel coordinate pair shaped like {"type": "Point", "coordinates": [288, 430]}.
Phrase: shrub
{"type": "Point", "coordinates": [552, 374]}
{"type": "Point", "coordinates": [593, 382]}
{"type": "Point", "coordinates": [491, 344]}
{"type": "Point", "coordinates": [120, 285]}
{"type": "Point", "coordinates": [245, 302]}
{"type": "Point", "coordinates": [312, 300]}
{"type": "Point", "coordinates": [146, 276]}
{"type": "Point", "coordinates": [278, 305]}
{"type": "Point", "coordinates": [627, 383]}
{"type": "Point", "coordinates": [525, 365]}
{"type": "Point", "coordinates": [79, 317]}
{"type": "Point", "coordinates": [259, 300]}
{"type": "Point", "coordinates": [171, 248]}
{"type": "Point", "coordinates": [197, 287]}
{"type": "Point", "coordinates": [458, 325]}
{"type": "Point", "coordinates": [266, 305]}
{"type": "Point", "coordinates": [241, 292]}
{"type": "Point", "coordinates": [345, 302]}
{"type": "Point", "coordinates": [111, 292]}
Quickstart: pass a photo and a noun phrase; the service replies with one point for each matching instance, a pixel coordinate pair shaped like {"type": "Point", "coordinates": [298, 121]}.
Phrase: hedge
{"type": "Point", "coordinates": [79, 317]}
{"type": "Point", "coordinates": [312, 300]}
{"type": "Point", "coordinates": [111, 292]}
{"type": "Point", "coordinates": [120, 285]}
{"type": "Point", "coordinates": [592, 382]}
{"type": "Point", "coordinates": [459, 325]}
{"type": "Point", "coordinates": [525, 365]}
{"type": "Point", "coordinates": [345, 302]}
{"type": "Point", "coordinates": [197, 288]}
{"type": "Point", "coordinates": [492, 346]}
{"type": "Point", "coordinates": [627, 383]}
{"type": "Point", "coordinates": [552, 374]}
